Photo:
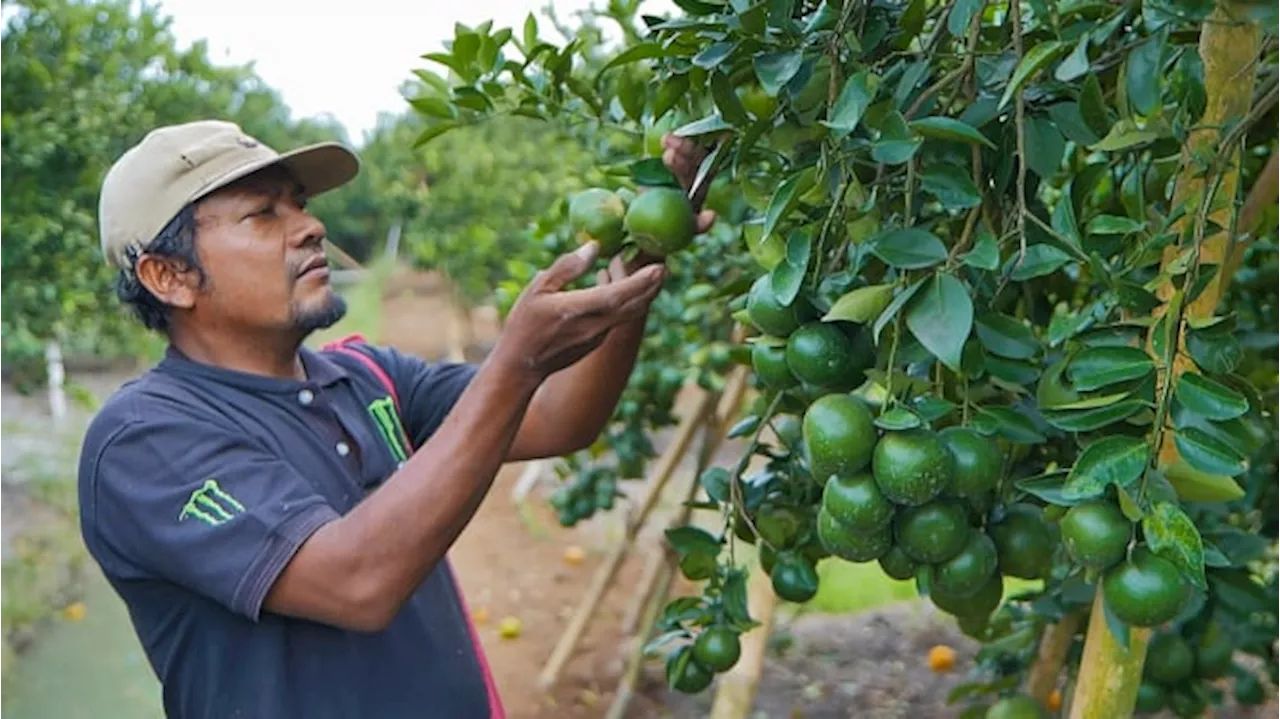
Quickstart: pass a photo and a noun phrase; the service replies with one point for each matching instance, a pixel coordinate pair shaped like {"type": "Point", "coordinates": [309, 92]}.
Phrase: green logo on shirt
{"type": "Point", "coordinates": [211, 505]}
{"type": "Point", "coordinates": [388, 422]}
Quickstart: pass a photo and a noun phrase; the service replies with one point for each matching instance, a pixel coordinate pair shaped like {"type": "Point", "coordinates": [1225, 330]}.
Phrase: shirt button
{"type": "Point", "coordinates": [305, 397]}
{"type": "Point", "coordinates": [343, 449]}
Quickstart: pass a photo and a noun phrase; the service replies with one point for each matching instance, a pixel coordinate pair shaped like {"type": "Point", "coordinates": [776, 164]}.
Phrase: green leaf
{"type": "Point", "coordinates": [1093, 402]}
{"type": "Point", "coordinates": [1070, 120]}
{"type": "Point", "coordinates": [783, 201]}
{"type": "Point", "coordinates": [706, 126]}
{"type": "Point", "coordinates": [1128, 506]}
{"type": "Point", "coordinates": [530, 33]}
{"type": "Point", "coordinates": [1088, 420]}
{"type": "Point", "coordinates": [1142, 75]}
{"type": "Point", "coordinates": [941, 316]}
{"type": "Point", "coordinates": [775, 69]}
{"type": "Point", "coordinates": [1063, 221]}
{"type": "Point", "coordinates": [434, 107]}
{"type": "Point", "coordinates": [1032, 62]}
{"type": "Point", "coordinates": [1047, 487]}
{"type": "Point", "coordinates": [962, 12]}
{"type": "Point", "coordinates": [1007, 337]}
{"type": "Point", "coordinates": [668, 94]}
{"type": "Point", "coordinates": [931, 408]}
{"type": "Point", "coordinates": [635, 53]}
{"type": "Point", "coordinates": [1093, 109]}
{"type": "Point", "coordinates": [952, 185]}
{"type": "Point", "coordinates": [1173, 535]}
{"type": "Point", "coordinates": [787, 278]}
{"type": "Point", "coordinates": [1208, 453]}
{"type": "Point", "coordinates": [1045, 146]}
{"type": "Point", "coordinates": [1006, 423]}
{"type": "Point", "coordinates": [861, 305]}
{"type": "Point", "coordinates": [898, 418]}
{"type": "Point", "coordinates": [897, 142]}
{"type": "Point", "coordinates": [1208, 398]}
{"type": "Point", "coordinates": [985, 254]}
{"type": "Point", "coordinates": [1011, 371]}
{"type": "Point", "coordinates": [692, 540]}
{"type": "Point", "coordinates": [1110, 460]}
{"type": "Point", "coordinates": [744, 427]}
{"type": "Point", "coordinates": [434, 131]}
{"type": "Point", "coordinates": [1123, 136]}
{"type": "Point", "coordinates": [1119, 630]}
{"type": "Point", "coordinates": [472, 99]}
{"type": "Point", "coordinates": [853, 100]}
{"type": "Point", "coordinates": [766, 250]}
{"type": "Point", "coordinates": [1076, 64]}
{"type": "Point", "coordinates": [716, 481]}
{"type": "Point", "coordinates": [892, 310]}
{"type": "Point", "coordinates": [652, 172]}
{"type": "Point", "coordinates": [951, 129]}
{"type": "Point", "coordinates": [1114, 225]}
{"type": "Point", "coordinates": [1098, 367]}
{"type": "Point", "coordinates": [1039, 261]}
{"type": "Point", "coordinates": [714, 54]}
{"type": "Point", "coordinates": [727, 100]}
{"type": "Point", "coordinates": [734, 594]}
{"type": "Point", "coordinates": [908, 248]}
{"type": "Point", "coordinates": [1216, 352]}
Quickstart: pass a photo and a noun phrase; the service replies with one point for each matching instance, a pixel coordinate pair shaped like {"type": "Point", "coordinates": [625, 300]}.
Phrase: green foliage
{"type": "Point", "coordinates": [83, 80]}
{"type": "Point", "coordinates": [1003, 210]}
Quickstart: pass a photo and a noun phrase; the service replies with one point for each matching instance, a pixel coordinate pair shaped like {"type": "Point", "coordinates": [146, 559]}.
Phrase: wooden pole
{"type": "Point", "coordinates": [604, 575]}
{"type": "Point", "coordinates": [1053, 652]}
{"type": "Point", "coordinates": [1110, 672]}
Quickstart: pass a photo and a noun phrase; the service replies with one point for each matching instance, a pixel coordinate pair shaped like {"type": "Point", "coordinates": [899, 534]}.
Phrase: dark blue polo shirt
{"type": "Point", "coordinates": [197, 484]}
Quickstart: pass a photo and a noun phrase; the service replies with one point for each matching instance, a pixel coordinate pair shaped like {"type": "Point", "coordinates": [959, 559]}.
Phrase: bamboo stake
{"type": "Point", "coordinates": [639, 601]}
{"type": "Point", "coordinates": [604, 575]}
{"type": "Point", "coordinates": [339, 254]}
{"type": "Point", "coordinates": [627, 687]}
{"type": "Point", "coordinates": [1053, 652]}
{"type": "Point", "coordinates": [737, 691]}
{"type": "Point", "coordinates": [1109, 672]}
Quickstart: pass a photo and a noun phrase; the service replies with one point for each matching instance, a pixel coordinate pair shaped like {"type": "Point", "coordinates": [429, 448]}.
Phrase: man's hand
{"type": "Point", "coordinates": [550, 329]}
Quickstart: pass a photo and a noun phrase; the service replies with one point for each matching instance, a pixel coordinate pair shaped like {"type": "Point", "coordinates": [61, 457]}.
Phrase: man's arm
{"type": "Point", "coordinates": [573, 406]}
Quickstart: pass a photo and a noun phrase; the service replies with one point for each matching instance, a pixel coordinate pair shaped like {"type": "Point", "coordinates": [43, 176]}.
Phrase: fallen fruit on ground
{"type": "Point", "coordinates": [510, 627]}
{"type": "Point", "coordinates": [574, 555]}
{"type": "Point", "coordinates": [942, 658]}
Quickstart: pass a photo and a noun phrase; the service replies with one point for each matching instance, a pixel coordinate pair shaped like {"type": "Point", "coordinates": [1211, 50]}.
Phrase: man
{"type": "Point", "coordinates": [260, 506]}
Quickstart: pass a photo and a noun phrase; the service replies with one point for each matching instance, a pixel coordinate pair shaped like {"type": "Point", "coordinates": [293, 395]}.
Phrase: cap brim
{"type": "Point", "coordinates": [318, 168]}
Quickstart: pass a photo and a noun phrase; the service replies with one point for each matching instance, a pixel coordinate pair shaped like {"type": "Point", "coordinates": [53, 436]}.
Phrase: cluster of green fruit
{"type": "Point", "coordinates": [659, 220]}
{"type": "Point", "coordinates": [691, 667]}
{"type": "Point", "coordinates": [578, 499]}
{"type": "Point", "coordinates": [1179, 666]}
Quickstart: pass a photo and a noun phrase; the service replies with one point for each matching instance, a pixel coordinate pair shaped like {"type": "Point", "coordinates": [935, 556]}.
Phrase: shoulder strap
{"type": "Point", "coordinates": [344, 345]}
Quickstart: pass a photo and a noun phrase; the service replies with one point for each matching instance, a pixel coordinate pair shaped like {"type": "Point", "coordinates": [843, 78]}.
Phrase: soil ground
{"type": "Point", "coordinates": [511, 562]}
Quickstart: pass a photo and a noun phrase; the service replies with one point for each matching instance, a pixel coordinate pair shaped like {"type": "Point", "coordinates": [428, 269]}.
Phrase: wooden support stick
{"type": "Point", "coordinates": [339, 254]}
{"type": "Point", "coordinates": [1054, 646]}
{"type": "Point", "coordinates": [604, 575]}
{"type": "Point", "coordinates": [627, 687]}
{"type": "Point", "coordinates": [648, 580]}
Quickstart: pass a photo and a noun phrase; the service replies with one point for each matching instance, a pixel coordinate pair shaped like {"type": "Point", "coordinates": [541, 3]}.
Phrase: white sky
{"type": "Point", "coordinates": [348, 59]}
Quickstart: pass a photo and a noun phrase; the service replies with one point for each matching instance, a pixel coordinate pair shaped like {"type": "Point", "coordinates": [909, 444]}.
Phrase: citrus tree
{"type": "Point", "coordinates": [1002, 266]}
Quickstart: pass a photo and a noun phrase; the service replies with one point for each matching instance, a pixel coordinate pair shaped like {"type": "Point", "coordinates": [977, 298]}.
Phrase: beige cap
{"type": "Point", "coordinates": [178, 164]}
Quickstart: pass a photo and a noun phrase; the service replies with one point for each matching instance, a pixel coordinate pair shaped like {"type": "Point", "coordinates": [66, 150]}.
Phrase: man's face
{"type": "Point", "coordinates": [263, 256]}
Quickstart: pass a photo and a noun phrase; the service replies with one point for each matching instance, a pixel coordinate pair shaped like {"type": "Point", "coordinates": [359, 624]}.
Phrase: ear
{"type": "Point", "coordinates": [171, 282]}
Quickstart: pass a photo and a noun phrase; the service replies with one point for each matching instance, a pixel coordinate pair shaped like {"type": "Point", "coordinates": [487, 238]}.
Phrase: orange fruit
{"type": "Point", "coordinates": [942, 658]}
{"type": "Point", "coordinates": [574, 555]}
{"type": "Point", "coordinates": [1055, 700]}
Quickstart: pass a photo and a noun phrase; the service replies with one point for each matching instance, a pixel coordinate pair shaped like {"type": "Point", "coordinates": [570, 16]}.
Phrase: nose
{"type": "Point", "coordinates": [305, 228]}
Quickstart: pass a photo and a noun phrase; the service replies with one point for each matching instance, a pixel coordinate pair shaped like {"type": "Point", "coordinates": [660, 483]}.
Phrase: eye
{"type": "Point", "coordinates": [266, 210]}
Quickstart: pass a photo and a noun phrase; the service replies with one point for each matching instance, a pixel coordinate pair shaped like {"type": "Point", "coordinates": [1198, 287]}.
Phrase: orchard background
{"type": "Point", "coordinates": [996, 285]}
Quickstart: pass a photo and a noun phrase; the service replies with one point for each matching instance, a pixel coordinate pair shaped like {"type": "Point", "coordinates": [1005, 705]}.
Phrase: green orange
{"type": "Point", "coordinates": [852, 545]}
{"type": "Point", "coordinates": [1023, 543]}
{"type": "Point", "coordinates": [897, 565]}
{"type": "Point", "coordinates": [1169, 659]}
{"type": "Point", "coordinates": [856, 502]}
{"type": "Point", "coordinates": [1144, 591]}
{"type": "Point", "coordinates": [912, 466]}
{"type": "Point", "coordinates": [794, 579]}
{"type": "Point", "coordinates": [969, 570]}
{"type": "Point", "coordinates": [772, 317]}
{"type": "Point", "coordinates": [597, 214]}
{"type": "Point", "coordinates": [839, 436]}
{"type": "Point", "coordinates": [821, 354]}
{"type": "Point", "coordinates": [1096, 533]}
{"type": "Point", "coordinates": [977, 461]}
{"type": "Point", "coordinates": [770, 364]}
{"type": "Point", "coordinates": [690, 678]}
{"type": "Point", "coordinates": [934, 532]}
{"type": "Point", "coordinates": [661, 221]}
{"type": "Point", "coordinates": [1019, 706]}
{"type": "Point", "coordinates": [717, 649]}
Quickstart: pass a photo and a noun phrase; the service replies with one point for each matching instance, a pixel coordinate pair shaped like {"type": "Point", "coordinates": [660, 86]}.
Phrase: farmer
{"type": "Point", "coordinates": [277, 518]}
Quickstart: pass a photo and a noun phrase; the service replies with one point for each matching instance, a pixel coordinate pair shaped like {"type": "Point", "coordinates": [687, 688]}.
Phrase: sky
{"type": "Point", "coordinates": [347, 59]}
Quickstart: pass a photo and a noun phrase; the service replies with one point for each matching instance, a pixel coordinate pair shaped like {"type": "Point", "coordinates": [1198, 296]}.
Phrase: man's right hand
{"type": "Point", "coordinates": [549, 329]}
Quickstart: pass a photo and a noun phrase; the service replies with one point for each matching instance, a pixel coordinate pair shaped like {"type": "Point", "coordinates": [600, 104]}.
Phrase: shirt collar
{"type": "Point", "coordinates": [320, 370]}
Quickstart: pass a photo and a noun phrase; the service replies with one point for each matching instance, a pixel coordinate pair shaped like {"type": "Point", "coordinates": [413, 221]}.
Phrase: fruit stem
{"type": "Point", "coordinates": [735, 494]}
{"type": "Point", "coordinates": [1110, 673]}
{"type": "Point", "coordinates": [1054, 646]}
{"type": "Point", "coordinates": [890, 397]}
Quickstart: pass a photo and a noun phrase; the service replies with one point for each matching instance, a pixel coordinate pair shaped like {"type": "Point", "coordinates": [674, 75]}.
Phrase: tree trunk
{"type": "Point", "coordinates": [1109, 672]}
{"type": "Point", "coordinates": [1053, 652]}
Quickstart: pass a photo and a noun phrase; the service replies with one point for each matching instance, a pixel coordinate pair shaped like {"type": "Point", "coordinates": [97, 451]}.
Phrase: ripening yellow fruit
{"type": "Point", "coordinates": [510, 627]}
{"type": "Point", "coordinates": [942, 658]}
{"type": "Point", "coordinates": [574, 555]}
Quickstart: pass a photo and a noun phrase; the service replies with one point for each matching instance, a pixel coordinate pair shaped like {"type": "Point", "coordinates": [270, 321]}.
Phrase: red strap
{"type": "Point", "coordinates": [496, 710]}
